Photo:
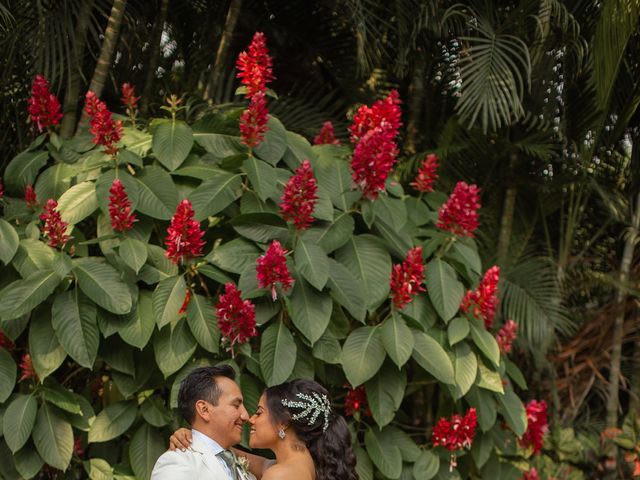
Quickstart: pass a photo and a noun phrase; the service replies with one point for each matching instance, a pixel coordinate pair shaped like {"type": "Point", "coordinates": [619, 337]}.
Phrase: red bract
{"type": "Point", "coordinates": [5, 342]}
{"type": "Point", "coordinates": [26, 367]}
{"type": "Point", "coordinates": [537, 425]}
{"type": "Point", "coordinates": [236, 317]}
{"type": "Point", "coordinates": [120, 208]}
{"type": "Point", "coordinates": [1, 188]}
{"type": "Point", "coordinates": [253, 121]}
{"type": "Point", "coordinates": [299, 197]}
{"type": "Point", "coordinates": [326, 135]}
{"type": "Point", "coordinates": [456, 433]}
{"type": "Point", "coordinates": [54, 228]}
{"type": "Point", "coordinates": [356, 401]}
{"type": "Point", "coordinates": [185, 302]}
{"type": "Point", "coordinates": [77, 447]}
{"type": "Point", "coordinates": [105, 130]}
{"type": "Point", "coordinates": [482, 303]}
{"type": "Point", "coordinates": [254, 66]}
{"type": "Point", "coordinates": [426, 174]}
{"type": "Point", "coordinates": [374, 130]}
{"type": "Point", "coordinates": [407, 278]}
{"type": "Point", "coordinates": [44, 107]}
{"type": "Point", "coordinates": [506, 336]}
{"type": "Point", "coordinates": [30, 196]}
{"type": "Point", "coordinates": [271, 268]}
{"type": "Point", "coordinates": [459, 215]}
{"type": "Point", "coordinates": [532, 474]}
{"type": "Point", "coordinates": [184, 237]}
{"type": "Point", "coordinates": [129, 99]}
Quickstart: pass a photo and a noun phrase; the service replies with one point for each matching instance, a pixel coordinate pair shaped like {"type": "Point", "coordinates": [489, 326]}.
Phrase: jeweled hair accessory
{"type": "Point", "coordinates": [312, 406]}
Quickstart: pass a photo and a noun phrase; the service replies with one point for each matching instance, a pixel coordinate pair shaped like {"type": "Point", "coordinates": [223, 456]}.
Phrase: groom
{"type": "Point", "coordinates": [211, 401]}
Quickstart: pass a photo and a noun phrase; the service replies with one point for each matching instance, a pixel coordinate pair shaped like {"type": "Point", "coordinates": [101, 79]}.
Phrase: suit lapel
{"type": "Point", "coordinates": [209, 459]}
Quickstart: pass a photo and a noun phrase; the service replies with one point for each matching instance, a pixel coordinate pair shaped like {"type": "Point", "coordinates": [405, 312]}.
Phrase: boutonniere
{"type": "Point", "coordinates": [243, 464]}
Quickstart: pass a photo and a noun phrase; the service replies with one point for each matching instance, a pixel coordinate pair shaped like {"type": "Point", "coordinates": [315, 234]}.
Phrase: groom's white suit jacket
{"type": "Point", "coordinates": [196, 463]}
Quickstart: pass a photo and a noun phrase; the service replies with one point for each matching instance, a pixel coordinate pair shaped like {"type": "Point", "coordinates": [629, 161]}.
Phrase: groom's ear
{"type": "Point", "coordinates": [203, 409]}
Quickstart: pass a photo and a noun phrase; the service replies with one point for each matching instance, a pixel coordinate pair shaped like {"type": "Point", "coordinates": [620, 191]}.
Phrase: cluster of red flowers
{"type": "Point", "coordinates": [5, 342]}
{"type": "Point", "coordinates": [326, 135]}
{"type": "Point", "coordinates": [483, 302]}
{"type": "Point", "coordinates": [105, 130]}
{"type": "Point", "coordinates": [271, 268]}
{"type": "Point", "coordinates": [184, 237]}
{"type": "Point", "coordinates": [426, 174]}
{"type": "Point", "coordinates": [299, 197]}
{"type": "Point", "coordinates": [455, 433]}
{"type": "Point", "coordinates": [26, 368]}
{"type": "Point", "coordinates": [129, 99]}
{"type": "Point", "coordinates": [44, 107]}
{"type": "Point", "coordinates": [459, 214]}
{"type": "Point", "coordinates": [537, 425]}
{"type": "Point", "coordinates": [236, 317]}
{"type": "Point", "coordinates": [356, 401]}
{"type": "Point", "coordinates": [120, 208]}
{"type": "Point", "coordinates": [254, 72]}
{"type": "Point", "coordinates": [407, 278]}
{"type": "Point", "coordinates": [30, 197]}
{"type": "Point", "coordinates": [54, 227]}
{"type": "Point", "coordinates": [532, 474]}
{"type": "Point", "coordinates": [506, 336]}
{"type": "Point", "coordinates": [77, 447]}
{"type": "Point", "coordinates": [373, 131]}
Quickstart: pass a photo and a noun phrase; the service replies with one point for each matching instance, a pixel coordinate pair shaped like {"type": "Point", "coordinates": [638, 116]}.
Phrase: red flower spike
{"type": "Point", "coordinates": [407, 278]}
{"type": "Point", "coordinates": [426, 174]}
{"type": "Point", "coordinates": [5, 342]}
{"type": "Point", "coordinates": [54, 228]}
{"type": "Point", "coordinates": [105, 130]}
{"type": "Point", "coordinates": [326, 135]}
{"type": "Point", "coordinates": [77, 447]}
{"type": "Point", "coordinates": [299, 197]}
{"type": "Point", "coordinates": [532, 474]}
{"type": "Point", "coordinates": [185, 302]}
{"type": "Point", "coordinates": [506, 336]}
{"type": "Point", "coordinates": [120, 208]}
{"type": "Point", "coordinates": [26, 367]}
{"type": "Point", "coordinates": [44, 107]}
{"type": "Point", "coordinates": [184, 237]}
{"type": "Point", "coordinates": [374, 130]}
{"type": "Point", "coordinates": [254, 66]}
{"type": "Point", "coordinates": [459, 214]}
{"type": "Point", "coordinates": [271, 268]}
{"type": "Point", "coordinates": [30, 197]}
{"type": "Point", "coordinates": [482, 303]}
{"type": "Point", "coordinates": [537, 425]}
{"type": "Point", "coordinates": [356, 401]}
{"type": "Point", "coordinates": [129, 99]}
{"type": "Point", "coordinates": [236, 317]}
{"type": "Point", "coordinates": [455, 433]}
{"type": "Point", "coordinates": [253, 121]}
{"type": "Point", "coordinates": [1, 188]}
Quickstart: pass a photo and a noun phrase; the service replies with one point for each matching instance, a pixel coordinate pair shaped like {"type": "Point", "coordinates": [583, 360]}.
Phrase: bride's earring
{"type": "Point", "coordinates": [281, 434]}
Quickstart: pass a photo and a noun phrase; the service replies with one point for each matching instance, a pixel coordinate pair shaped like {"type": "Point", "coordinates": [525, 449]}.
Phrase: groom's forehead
{"type": "Point", "coordinates": [229, 388]}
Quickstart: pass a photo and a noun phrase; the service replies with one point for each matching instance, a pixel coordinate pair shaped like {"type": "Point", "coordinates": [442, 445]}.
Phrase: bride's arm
{"type": "Point", "coordinates": [257, 464]}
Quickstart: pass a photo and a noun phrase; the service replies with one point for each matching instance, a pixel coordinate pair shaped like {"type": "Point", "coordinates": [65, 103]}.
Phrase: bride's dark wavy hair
{"type": "Point", "coordinates": [331, 449]}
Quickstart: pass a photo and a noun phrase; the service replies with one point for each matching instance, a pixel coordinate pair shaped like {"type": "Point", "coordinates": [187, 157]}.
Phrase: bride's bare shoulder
{"type": "Point", "coordinates": [286, 471]}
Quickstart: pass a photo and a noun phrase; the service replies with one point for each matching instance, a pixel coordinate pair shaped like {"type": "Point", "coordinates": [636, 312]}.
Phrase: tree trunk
{"type": "Point", "coordinates": [111, 34]}
{"type": "Point", "coordinates": [416, 99]}
{"type": "Point", "coordinates": [70, 109]}
{"type": "Point", "coordinates": [223, 49]}
{"type": "Point", "coordinates": [154, 55]}
{"type": "Point", "coordinates": [508, 211]}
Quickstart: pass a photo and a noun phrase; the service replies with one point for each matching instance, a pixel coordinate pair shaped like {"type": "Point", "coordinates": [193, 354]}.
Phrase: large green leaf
{"type": "Point", "coordinates": [113, 421]}
{"type": "Point", "coordinates": [347, 290]}
{"type": "Point", "coordinates": [489, 379]}
{"type": "Point", "coordinates": [277, 354]}
{"type": "Point", "coordinates": [371, 264]}
{"type": "Point", "coordinates": [78, 202]}
{"type": "Point", "coordinates": [172, 142]}
{"type": "Point", "coordinates": [215, 194]}
{"type": "Point", "coordinates": [362, 355]}
{"type": "Point", "coordinates": [261, 227]}
{"type": "Point", "coordinates": [364, 467]}
{"type": "Point", "coordinates": [157, 194]}
{"type": "Point", "coordinates": [139, 323]}
{"type": "Point", "coordinates": [262, 177]}
{"type": "Point", "coordinates": [73, 317]}
{"type": "Point", "coordinates": [9, 241]}
{"type": "Point", "coordinates": [168, 297]}
{"type": "Point", "coordinates": [7, 375]}
{"type": "Point", "coordinates": [485, 342]}
{"type": "Point", "coordinates": [32, 256]}
{"type": "Point", "coordinates": [485, 404]}
{"type": "Point", "coordinates": [408, 448]}
{"type": "Point", "coordinates": [444, 289]}
{"type": "Point", "coordinates": [427, 466]}
{"type": "Point", "coordinates": [332, 173]}
{"type": "Point", "coordinates": [219, 145]}
{"type": "Point", "coordinates": [466, 367]}
{"type": "Point", "coordinates": [310, 310]}
{"type": "Point", "coordinates": [274, 144]}
{"type": "Point", "coordinates": [18, 421]}
{"type": "Point", "coordinates": [397, 339]}
{"type": "Point", "coordinates": [155, 413]}
{"type": "Point", "coordinates": [28, 462]}
{"type": "Point", "coordinates": [22, 296]}
{"type": "Point", "coordinates": [385, 392]}
{"type": "Point", "coordinates": [99, 469]}
{"type": "Point", "coordinates": [327, 349]}
{"type": "Point", "coordinates": [134, 253]}
{"type": "Point", "coordinates": [23, 169]}
{"type": "Point", "coordinates": [54, 181]}
{"type": "Point", "coordinates": [46, 352]}
{"type": "Point", "coordinates": [201, 317]}
{"type": "Point", "coordinates": [432, 357]}
{"type": "Point", "coordinates": [145, 448]}
{"type": "Point", "coordinates": [101, 283]}
{"type": "Point", "coordinates": [61, 398]}
{"type": "Point", "coordinates": [173, 348]}
{"type": "Point", "coordinates": [337, 233]}
{"type": "Point", "coordinates": [513, 411]}
{"type": "Point", "coordinates": [457, 330]}
{"type": "Point", "coordinates": [312, 263]}
{"type": "Point", "coordinates": [53, 437]}
{"type": "Point", "coordinates": [234, 256]}
{"type": "Point", "coordinates": [386, 457]}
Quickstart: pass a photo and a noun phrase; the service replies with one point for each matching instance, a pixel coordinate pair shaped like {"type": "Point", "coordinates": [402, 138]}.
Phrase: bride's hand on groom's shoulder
{"type": "Point", "coordinates": [180, 440]}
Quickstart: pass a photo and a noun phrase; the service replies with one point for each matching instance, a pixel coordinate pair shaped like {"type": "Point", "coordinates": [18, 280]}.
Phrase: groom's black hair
{"type": "Point", "coordinates": [201, 384]}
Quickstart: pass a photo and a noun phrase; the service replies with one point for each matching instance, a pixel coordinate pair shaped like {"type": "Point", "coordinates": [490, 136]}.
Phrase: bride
{"type": "Point", "coordinates": [296, 422]}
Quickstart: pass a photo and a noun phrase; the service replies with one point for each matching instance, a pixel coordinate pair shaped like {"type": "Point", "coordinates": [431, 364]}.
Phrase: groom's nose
{"type": "Point", "coordinates": [244, 415]}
